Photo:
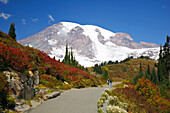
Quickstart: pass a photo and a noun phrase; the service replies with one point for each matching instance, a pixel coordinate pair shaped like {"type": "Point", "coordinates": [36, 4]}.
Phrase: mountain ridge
{"type": "Point", "coordinates": [89, 42]}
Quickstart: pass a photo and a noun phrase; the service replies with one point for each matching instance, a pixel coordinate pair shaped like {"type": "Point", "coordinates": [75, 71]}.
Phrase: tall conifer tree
{"type": "Point", "coordinates": [11, 32]}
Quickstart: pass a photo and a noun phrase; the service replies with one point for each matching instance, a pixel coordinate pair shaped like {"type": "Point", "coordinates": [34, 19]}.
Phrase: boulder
{"type": "Point", "coordinates": [36, 103]}
{"type": "Point", "coordinates": [19, 102]}
{"type": "Point", "coordinates": [36, 78]}
{"type": "Point", "coordinates": [13, 74]}
{"type": "Point", "coordinates": [8, 74]}
{"type": "Point", "coordinates": [22, 108]}
{"type": "Point", "coordinates": [51, 95]}
{"type": "Point", "coordinates": [42, 92]}
{"type": "Point", "coordinates": [30, 73]}
{"type": "Point", "coordinates": [65, 82]}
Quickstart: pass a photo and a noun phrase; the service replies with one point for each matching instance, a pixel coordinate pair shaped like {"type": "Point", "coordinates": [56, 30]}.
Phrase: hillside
{"type": "Point", "coordinates": [128, 69]}
{"type": "Point", "coordinates": [20, 59]}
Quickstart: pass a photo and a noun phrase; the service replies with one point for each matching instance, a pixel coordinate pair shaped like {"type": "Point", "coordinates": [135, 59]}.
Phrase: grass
{"type": "Point", "coordinates": [127, 70]}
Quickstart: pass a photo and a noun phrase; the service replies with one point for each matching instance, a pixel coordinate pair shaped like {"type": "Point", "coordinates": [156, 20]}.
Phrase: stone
{"type": "Point", "coordinates": [36, 103]}
{"type": "Point", "coordinates": [23, 79]}
{"type": "Point", "coordinates": [13, 74]}
{"type": "Point", "coordinates": [51, 95]}
{"type": "Point", "coordinates": [19, 103]}
{"type": "Point", "coordinates": [42, 92]}
{"type": "Point", "coordinates": [30, 73]}
{"type": "Point", "coordinates": [8, 74]}
{"type": "Point", "coordinates": [27, 92]}
{"type": "Point", "coordinates": [65, 82]}
{"type": "Point", "coordinates": [22, 107]}
{"type": "Point", "coordinates": [17, 87]}
{"type": "Point", "coordinates": [30, 82]}
{"type": "Point", "coordinates": [36, 78]}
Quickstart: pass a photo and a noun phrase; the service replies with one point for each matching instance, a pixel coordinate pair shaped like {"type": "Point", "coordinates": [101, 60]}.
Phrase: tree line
{"type": "Point", "coordinates": [161, 77]}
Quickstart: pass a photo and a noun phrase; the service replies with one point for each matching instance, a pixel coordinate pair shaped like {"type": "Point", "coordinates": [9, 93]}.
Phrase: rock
{"type": "Point", "coordinates": [51, 95]}
{"type": "Point", "coordinates": [42, 92]}
{"type": "Point", "coordinates": [8, 74]}
{"type": "Point", "coordinates": [65, 82]}
{"type": "Point", "coordinates": [17, 87]}
{"type": "Point", "coordinates": [23, 79]}
{"type": "Point", "coordinates": [30, 73]}
{"type": "Point", "coordinates": [36, 103]}
{"type": "Point", "coordinates": [125, 85]}
{"type": "Point", "coordinates": [27, 92]}
{"type": "Point", "coordinates": [17, 78]}
{"type": "Point", "coordinates": [36, 78]}
{"type": "Point", "coordinates": [22, 107]}
{"type": "Point", "coordinates": [13, 74]}
{"type": "Point", "coordinates": [19, 103]}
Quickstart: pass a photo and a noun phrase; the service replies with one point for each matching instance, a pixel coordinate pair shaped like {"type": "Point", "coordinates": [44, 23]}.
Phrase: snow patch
{"type": "Point", "coordinates": [52, 42]}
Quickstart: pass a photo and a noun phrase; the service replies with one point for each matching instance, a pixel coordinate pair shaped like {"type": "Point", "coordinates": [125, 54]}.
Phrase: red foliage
{"type": "Point", "coordinates": [14, 57]}
{"type": "Point", "coordinates": [20, 58]}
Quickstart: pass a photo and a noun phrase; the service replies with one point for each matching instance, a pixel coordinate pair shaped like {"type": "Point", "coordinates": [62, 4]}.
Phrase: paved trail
{"type": "Point", "coordinates": [72, 101]}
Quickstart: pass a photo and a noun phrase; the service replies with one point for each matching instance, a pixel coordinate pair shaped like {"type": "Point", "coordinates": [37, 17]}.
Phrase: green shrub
{"type": "Point", "coordinates": [100, 110]}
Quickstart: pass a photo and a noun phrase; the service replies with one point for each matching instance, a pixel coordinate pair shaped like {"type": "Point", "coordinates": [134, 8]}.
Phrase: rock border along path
{"type": "Point", "coordinates": [73, 101]}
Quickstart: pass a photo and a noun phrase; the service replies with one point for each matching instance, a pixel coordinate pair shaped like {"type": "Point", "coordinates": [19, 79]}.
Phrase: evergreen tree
{"type": "Point", "coordinates": [159, 73]}
{"type": "Point", "coordinates": [140, 75]}
{"type": "Point", "coordinates": [164, 69]}
{"type": "Point", "coordinates": [72, 58]}
{"type": "Point", "coordinates": [11, 32]}
{"type": "Point", "coordinates": [105, 74]}
{"type": "Point", "coordinates": [154, 77]}
{"type": "Point", "coordinates": [148, 70]}
{"type": "Point", "coordinates": [148, 75]}
{"type": "Point", "coordinates": [98, 69]}
{"type": "Point", "coordinates": [69, 60]}
{"type": "Point", "coordinates": [65, 60]}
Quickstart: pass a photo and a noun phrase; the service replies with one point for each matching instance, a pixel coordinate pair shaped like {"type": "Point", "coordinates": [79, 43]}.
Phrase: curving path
{"type": "Point", "coordinates": [73, 101]}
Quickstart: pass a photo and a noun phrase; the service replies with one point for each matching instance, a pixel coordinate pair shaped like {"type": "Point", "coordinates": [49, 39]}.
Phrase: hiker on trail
{"type": "Point", "coordinates": [111, 82]}
{"type": "Point", "coordinates": [108, 82]}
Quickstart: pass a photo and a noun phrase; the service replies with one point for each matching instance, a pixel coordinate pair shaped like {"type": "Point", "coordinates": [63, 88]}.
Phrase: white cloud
{"type": "Point", "coordinates": [50, 19]}
{"type": "Point", "coordinates": [4, 1]}
{"type": "Point", "coordinates": [23, 21]}
{"type": "Point", "coordinates": [5, 16]}
{"type": "Point", "coordinates": [34, 19]}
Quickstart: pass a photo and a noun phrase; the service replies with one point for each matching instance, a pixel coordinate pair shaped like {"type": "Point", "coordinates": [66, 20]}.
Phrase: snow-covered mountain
{"type": "Point", "coordinates": [91, 44]}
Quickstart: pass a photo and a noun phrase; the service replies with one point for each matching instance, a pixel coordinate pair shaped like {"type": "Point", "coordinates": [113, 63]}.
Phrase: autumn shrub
{"type": "Point", "coordinates": [49, 81]}
{"type": "Point", "coordinates": [14, 57]}
{"type": "Point", "coordinates": [147, 89]}
{"type": "Point", "coordinates": [5, 98]}
{"type": "Point", "coordinates": [136, 102]}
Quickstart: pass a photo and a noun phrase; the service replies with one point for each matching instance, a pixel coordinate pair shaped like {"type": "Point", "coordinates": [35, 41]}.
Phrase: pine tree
{"type": "Point", "coordinates": [164, 69]}
{"type": "Point", "coordinates": [154, 77]}
{"type": "Point", "coordinates": [105, 74]}
{"type": "Point", "coordinates": [140, 75]}
{"type": "Point", "coordinates": [65, 60]}
{"type": "Point", "coordinates": [148, 75]}
{"type": "Point", "coordinates": [72, 58]}
{"type": "Point", "coordinates": [11, 32]}
{"type": "Point", "coordinates": [98, 69]}
{"type": "Point", "coordinates": [159, 73]}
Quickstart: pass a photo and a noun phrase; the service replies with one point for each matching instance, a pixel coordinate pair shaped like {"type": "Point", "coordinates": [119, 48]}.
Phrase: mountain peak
{"type": "Point", "coordinates": [91, 44]}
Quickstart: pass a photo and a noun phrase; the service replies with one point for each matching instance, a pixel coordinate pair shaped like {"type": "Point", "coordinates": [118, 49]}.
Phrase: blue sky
{"type": "Point", "coordinates": [144, 20]}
